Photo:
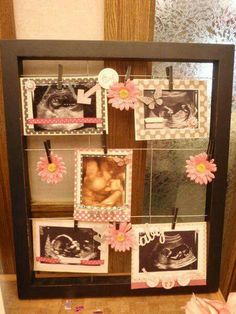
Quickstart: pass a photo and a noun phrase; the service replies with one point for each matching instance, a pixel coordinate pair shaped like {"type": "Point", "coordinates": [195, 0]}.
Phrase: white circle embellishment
{"type": "Point", "coordinates": [107, 77]}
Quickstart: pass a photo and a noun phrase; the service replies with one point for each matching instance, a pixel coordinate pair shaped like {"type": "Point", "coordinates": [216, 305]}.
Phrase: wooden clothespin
{"type": "Point", "coordinates": [174, 220]}
{"type": "Point", "coordinates": [104, 142]}
{"type": "Point", "coordinates": [75, 225]}
{"type": "Point", "coordinates": [47, 145]}
{"type": "Point", "coordinates": [210, 149]}
{"type": "Point", "coordinates": [169, 73]}
{"type": "Point", "coordinates": [127, 74]}
{"type": "Point", "coordinates": [59, 78]}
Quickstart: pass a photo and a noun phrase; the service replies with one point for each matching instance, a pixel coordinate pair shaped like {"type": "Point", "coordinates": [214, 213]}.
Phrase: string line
{"type": "Point", "coordinates": [151, 149]}
{"type": "Point", "coordinates": [123, 75]}
{"type": "Point", "coordinates": [135, 149]}
{"type": "Point", "coordinates": [150, 186]}
{"type": "Point", "coordinates": [132, 216]}
{"type": "Point", "coordinates": [87, 68]}
{"type": "Point", "coordinates": [89, 139]}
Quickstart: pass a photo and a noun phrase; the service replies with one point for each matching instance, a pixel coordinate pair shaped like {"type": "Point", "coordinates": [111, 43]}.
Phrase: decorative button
{"type": "Point", "coordinates": [152, 282]}
{"type": "Point", "coordinates": [168, 283]}
{"type": "Point", "coordinates": [30, 85]}
{"type": "Point", "coordinates": [107, 77]}
{"type": "Point", "coordinates": [184, 280]}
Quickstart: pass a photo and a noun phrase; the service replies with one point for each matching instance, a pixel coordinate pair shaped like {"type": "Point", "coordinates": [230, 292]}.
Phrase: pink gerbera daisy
{"type": "Point", "coordinates": [199, 169]}
{"type": "Point", "coordinates": [121, 239]}
{"type": "Point", "coordinates": [123, 95]}
{"type": "Point", "coordinates": [51, 172]}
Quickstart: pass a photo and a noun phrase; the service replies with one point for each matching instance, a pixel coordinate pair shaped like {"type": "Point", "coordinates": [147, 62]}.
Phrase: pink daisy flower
{"type": "Point", "coordinates": [199, 169]}
{"type": "Point", "coordinates": [121, 239]}
{"type": "Point", "coordinates": [51, 172]}
{"type": "Point", "coordinates": [123, 95]}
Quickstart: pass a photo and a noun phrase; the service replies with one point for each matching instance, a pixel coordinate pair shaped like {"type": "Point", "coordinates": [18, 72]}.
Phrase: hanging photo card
{"type": "Point", "coordinates": [103, 185]}
{"type": "Point", "coordinates": [171, 114]}
{"type": "Point", "coordinates": [60, 247]}
{"type": "Point", "coordinates": [77, 107]}
{"type": "Point", "coordinates": [166, 258]}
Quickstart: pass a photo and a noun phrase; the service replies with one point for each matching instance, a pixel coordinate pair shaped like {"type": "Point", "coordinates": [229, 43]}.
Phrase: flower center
{"type": "Point", "coordinates": [123, 93]}
{"type": "Point", "coordinates": [120, 237]}
{"type": "Point", "coordinates": [52, 167]}
{"type": "Point", "coordinates": [201, 168]}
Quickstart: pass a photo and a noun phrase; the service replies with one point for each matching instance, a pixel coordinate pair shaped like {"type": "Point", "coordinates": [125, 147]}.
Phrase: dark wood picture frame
{"type": "Point", "coordinates": [13, 53]}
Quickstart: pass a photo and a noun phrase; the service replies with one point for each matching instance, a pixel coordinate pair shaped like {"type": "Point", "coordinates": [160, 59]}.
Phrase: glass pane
{"type": "Point", "coordinates": [208, 21]}
{"type": "Point", "coordinates": [166, 184]}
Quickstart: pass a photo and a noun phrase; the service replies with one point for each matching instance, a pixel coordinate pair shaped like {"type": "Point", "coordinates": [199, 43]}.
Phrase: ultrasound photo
{"type": "Point", "coordinates": [167, 258]}
{"type": "Point", "coordinates": [50, 102]}
{"type": "Point", "coordinates": [78, 107]}
{"type": "Point", "coordinates": [63, 242]}
{"type": "Point", "coordinates": [59, 246]}
{"type": "Point", "coordinates": [171, 114]}
{"type": "Point", "coordinates": [177, 109]}
{"type": "Point", "coordinates": [103, 185]}
{"type": "Point", "coordinates": [103, 182]}
{"type": "Point", "coordinates": [179, 252]}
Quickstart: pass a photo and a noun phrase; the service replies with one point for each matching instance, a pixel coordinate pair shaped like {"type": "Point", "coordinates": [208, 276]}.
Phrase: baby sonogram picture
{"type": "Point", "coordinates": [77, 107]}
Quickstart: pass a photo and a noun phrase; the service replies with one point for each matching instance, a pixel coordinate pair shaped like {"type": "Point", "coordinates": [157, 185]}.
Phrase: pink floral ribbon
{"type": "Point", "coordinates": [64, 120]}
{"type": "Point", "coordinates": [92, 262]}
{"type": "Point", "coordinates": [47, 260]}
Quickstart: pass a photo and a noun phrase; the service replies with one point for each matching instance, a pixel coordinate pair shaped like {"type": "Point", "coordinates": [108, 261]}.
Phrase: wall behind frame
{"type": "Point", "coordinates": [57, 19]}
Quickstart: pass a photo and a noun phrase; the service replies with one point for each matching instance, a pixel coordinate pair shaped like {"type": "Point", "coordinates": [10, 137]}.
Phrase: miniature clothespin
{"type": "Point", "coordinates": [104, 142]}
{"type": "Point", "coordinates": [210, 149]}
{"type": "Point", "coordinates": [169, 73]}
{"type": "Point", "coordinates": [127, 74]}
{"type": "Point", "coordinates": [175, 214]}
{"type": "Point", "coordinates": [59, 78]}
{"type": "Point", "coordinates": [75, 225]}
{"type": "Point", "coordinates": [47, 146]}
